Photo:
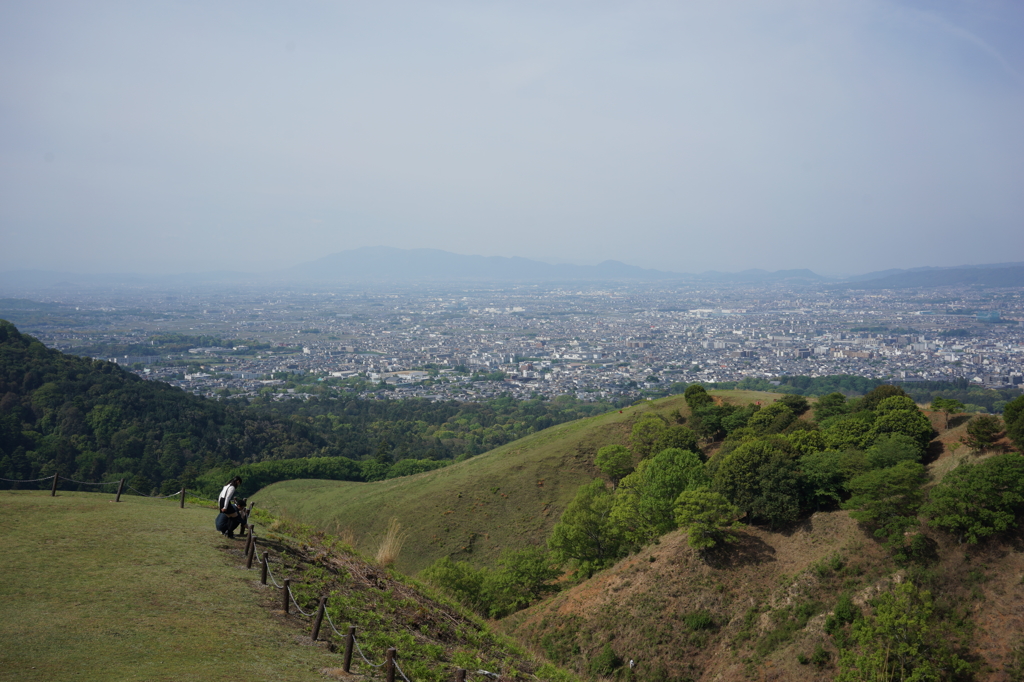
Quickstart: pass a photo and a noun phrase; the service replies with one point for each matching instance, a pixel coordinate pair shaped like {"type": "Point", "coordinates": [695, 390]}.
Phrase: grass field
{"type": "Point", "coordinates": [508, 497]}
{"type": "Point", "coordinates": [138, 590]}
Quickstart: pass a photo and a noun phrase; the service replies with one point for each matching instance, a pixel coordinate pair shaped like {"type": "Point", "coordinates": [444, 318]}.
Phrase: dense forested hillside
{"type": "Point", "coordinates": [421, 429]}
{"type": "Point", "coordinates": [93, 421]}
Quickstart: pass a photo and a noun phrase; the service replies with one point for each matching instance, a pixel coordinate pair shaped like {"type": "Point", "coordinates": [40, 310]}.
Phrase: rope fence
{"type": "Point", "coordinates": [390, 663]}
{"type": "Point", "coordinates": [71, 480]}
{"type": "Point", "coordinates": [57, 479]}
{"type": "Point", "coordinates": [288, 599]}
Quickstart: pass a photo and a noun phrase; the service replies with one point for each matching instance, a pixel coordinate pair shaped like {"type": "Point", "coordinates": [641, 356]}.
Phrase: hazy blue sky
{"type": "Point", "coordinates": [840, 135]}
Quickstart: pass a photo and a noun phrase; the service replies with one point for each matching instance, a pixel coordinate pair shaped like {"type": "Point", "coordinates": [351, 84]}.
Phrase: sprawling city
{"type": "Point", "coordinates": [610, 342]}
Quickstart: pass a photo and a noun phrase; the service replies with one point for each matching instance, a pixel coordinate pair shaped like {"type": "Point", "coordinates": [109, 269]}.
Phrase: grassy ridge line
{"type": "Point", "coordinates": [508, 497]}
{"type": "Point", "coordinates": [139, 590]}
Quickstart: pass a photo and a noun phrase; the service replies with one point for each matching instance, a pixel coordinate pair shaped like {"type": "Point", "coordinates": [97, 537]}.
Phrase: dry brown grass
{"type": "Point", "coordinates": [345, 536]}
{"type": "Point", "coordinates": [391, 544]}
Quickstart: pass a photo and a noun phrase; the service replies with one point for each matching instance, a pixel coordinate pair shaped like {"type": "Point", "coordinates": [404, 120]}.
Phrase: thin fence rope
{"type": "Point", "coordinates": [399, 669]}
{"type": "Point", "coordinates": [331, 623]}
{"type": "Point", "coordinates": [155, 497]}
{"type": "Point", "coordinates": [292, 595]}
{"type": "Point", "coordinates": [271, 574]}
{"type": "Point", "coordinates": [363, 656]}
{"type": "Point", "coordinates": [71, 480]}
{"type": "Point", "coordinates": [34, 480]}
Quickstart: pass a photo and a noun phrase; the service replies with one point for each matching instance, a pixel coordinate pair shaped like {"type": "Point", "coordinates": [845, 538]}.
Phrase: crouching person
{"type": "Point", "coordinates": [229, 517]}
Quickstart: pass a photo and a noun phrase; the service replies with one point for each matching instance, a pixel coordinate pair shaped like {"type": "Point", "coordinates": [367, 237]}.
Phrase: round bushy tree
{"type": "Point", "coordinates": [646, 432]}
{"type": "Point", "coordinates": [706, 517]}
{"type": "Point", "coordinates": [977, 500]}
{"type": "Point", "coordinates": [679, 437]}
{"type": "Point", "coordinates": [615, 462]}
{"type": "Point", "coordinates": [831, 405]}
{"type": "Point", "coordinates": [696, 396]}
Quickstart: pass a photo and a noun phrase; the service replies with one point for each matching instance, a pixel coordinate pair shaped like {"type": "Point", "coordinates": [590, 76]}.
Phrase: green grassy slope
{"type": "Point", "coordinates": [139, 590]}
{"type": "Point", "coordinates": [508, 497]}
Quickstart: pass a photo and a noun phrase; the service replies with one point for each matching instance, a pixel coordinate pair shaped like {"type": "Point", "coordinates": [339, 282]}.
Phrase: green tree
{"type": "Point", "coordinates": [983, 431]}
{"type": "Point", "coordinates": [975, 501]}
{"type": "Point", "coordinates": [709, 420]}
{"type": "Point", "coordinates": [903, 640]}
{"type": "Point", "coordinates": [585, 535]}
{"type": "Point", "coordinates": [895, 402]}
{"type": "Point", "coordinates": [677, 436]}
{"type": "Point", "coordinates": [825, 476]}
{"type": "Point", "coordinates": [605, 663]}
{"type": "Point", "coordinates": [738, 475]}
{"type": "Point", "coordinates": [891, 449]}
{"type": "Point", "coordinates": [887, 500]}
{"type": "Point", "coordinates": [850, 431]}
{"type": "Point", "coordinates": [738, 419]}
{"type": "Point", "coordinates": [706, 517]}
{"type": "Point", "coordinates": [615, 462]}
{"type": "Point", "coordinates": [831, 405]}
{"type": "Point", "coordinates": [646, 433]}
{"type": "Point", "coordinates": [778, 501]}
{"type": "Point", "coordinates": [797, 403]}
{"type": "Point", "coordinates": [643, 504]}
{"type": "Point", "coordinates": [523, 576]}
{"type": "Point", "coordinates": [771, 419]}
{"type": "Point", "coordinates": [806, 442]}
{"type": "Point", "coordinates": [1013, 415]}
{"type": "Point", "coordinates": [459, 578]}
{"type": "Point", "coordinates": [947, 406]}
{"type": "Point", "coordinates": [697, 396]}
{"type": "Point", "coordinates": [909, 422]}
{"type": "Point", "coordinates": [880, 393]}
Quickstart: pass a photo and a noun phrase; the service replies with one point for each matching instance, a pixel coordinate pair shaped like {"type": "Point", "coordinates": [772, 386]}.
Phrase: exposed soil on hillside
{"type": "Point", "coordinates": [757, 593]}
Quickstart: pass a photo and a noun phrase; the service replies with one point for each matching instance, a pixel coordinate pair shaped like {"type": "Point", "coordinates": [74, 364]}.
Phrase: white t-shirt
{"type": "Point", "coordinates": [227, 493]}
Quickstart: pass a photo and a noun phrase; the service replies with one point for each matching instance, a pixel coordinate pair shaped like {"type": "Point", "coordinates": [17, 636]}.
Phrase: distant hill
{"type": "Point", "coordinates": [878, 274]}
{"type": "Point", "coordinates": [757, 276]}
{"type": "Point", "coordinates": [382, 263]}
{"type": "Point", "coordinates": [982, 275]}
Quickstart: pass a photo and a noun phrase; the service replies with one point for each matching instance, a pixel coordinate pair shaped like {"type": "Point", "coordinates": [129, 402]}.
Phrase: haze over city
{"type": "Point", "coordinates": [182, 137]}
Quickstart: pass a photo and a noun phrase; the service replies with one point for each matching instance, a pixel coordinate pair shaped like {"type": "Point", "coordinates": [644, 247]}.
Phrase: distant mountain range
{"type": "Point", "coordinates": [380, 264]}
{"type": "Point", "coordinates": [1002, 275]}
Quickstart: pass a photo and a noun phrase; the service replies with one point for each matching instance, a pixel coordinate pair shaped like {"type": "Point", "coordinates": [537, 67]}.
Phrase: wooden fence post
{"type": "Point", "coordinates": [120, 487]}
{"type": "Point", "coordinates": [53, 489]}
{"type": "Point", "coordinates": [263, 578]}
{"type": "Point", "coordinates": [250, 553]}
{"type": "Point", "coordinates": [460, 675]}
{"type": "Point", "coordinates": [389, 664]}
{"type": "Point", "coordinates": [181, 505]}
{"type": "Point", "coordinates": [248, 543]}
{"type": "Point", "coordinates": [319, 619]}
{"type": "Point", "coordinates": [350, 639]}
{"type": "Point", "coordinates": [284, 595]}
